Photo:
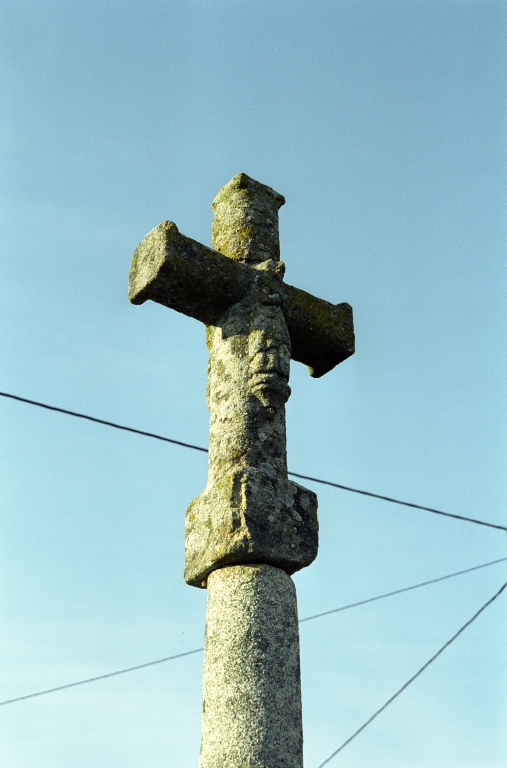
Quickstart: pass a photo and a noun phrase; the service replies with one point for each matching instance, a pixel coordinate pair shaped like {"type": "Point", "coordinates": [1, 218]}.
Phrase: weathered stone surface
{"type": "Point", "coordinates": [247, 516]}
{"type": "Point", "coordinates": [245, 222]}
{"type": "Point", "coordinates": [321, 334]}
{"type": "Point", "coordinates": [180, 273]}
{"type": "Point", "coordinates": [251, 684]}
{"type": "Point", "coordinates": [251, 527]}
{"type": "Point", "coordinates": [248, 374]}
{"type": "Point", "coordinates": [249, 510]}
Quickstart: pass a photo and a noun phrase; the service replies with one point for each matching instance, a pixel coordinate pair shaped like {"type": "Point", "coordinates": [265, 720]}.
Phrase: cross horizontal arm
{"type": "Point", "coordinates": [182, 274]}
{"type": "Point", "coordinates": [321, 334]}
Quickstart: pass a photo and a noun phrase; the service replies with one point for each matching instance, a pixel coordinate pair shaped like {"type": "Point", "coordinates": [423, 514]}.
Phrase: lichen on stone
{"type": "Point", "coordinates": [255, 323]}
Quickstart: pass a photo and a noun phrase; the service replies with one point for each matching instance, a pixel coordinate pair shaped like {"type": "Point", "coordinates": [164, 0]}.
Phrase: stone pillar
{"type": "Point", "coordinates": [251, 684]}
{"type": "Point", "coordinates": [251, 527]}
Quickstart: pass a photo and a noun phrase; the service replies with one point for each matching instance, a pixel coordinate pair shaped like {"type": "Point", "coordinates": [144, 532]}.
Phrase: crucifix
{"type": "Point", "coordinates": [251, 528]}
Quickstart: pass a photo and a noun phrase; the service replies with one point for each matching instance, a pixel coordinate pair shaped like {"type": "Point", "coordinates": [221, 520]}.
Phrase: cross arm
{"type": "Point", "coordinates": [321, 333]}
{"type": "Point", "coordinates": [180, 273]}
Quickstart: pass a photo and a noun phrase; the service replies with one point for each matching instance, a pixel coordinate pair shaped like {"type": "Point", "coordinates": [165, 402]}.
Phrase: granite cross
{"type": "Point", "coordinates": [251, 527]}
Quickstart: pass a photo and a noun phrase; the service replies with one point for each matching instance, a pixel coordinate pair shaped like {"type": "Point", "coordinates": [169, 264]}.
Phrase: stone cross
{"type": "Point", "coordinates": [251, 527]}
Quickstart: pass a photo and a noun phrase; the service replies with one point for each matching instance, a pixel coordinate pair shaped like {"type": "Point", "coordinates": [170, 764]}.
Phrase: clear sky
{"type": "Point", "coordinates": [383, 125]}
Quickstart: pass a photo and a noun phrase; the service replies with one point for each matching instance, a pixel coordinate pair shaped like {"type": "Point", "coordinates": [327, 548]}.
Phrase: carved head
{"type": "Point", "coordinates": [250, 349]}
{"type": "Point", "coordinates": [269, 355]}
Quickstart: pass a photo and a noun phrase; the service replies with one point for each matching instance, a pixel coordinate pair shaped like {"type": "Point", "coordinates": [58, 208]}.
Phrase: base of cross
{"type": "Point", "coordinates": [251, 709]}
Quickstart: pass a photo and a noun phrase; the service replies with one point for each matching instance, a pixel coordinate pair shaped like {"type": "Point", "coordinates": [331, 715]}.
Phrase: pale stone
{"type": "Point", "coordinates": [250, 511]}
{"type": "Point", "coordinates": [182, 274]}
{"type": "Point", "coordinates": [251, 526]}
{"type": "Point", "coordinates": [251, 712]}
{"type": "Point", "coordinates": [245, 221]}
{"type": "Point", "coordinates": [246, 517]}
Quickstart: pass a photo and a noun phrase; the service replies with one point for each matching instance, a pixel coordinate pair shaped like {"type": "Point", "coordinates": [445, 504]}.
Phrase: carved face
{"type": "Point", "coordinates": [269, 357]}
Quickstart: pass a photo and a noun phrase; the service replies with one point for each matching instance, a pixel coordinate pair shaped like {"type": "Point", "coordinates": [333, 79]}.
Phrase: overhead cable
{"type": "Point", "coordinates": [101, 677]}
{"type": "Point", "coordinates": [294, 474]}
{"type": "Point", "coordinates": [106, 423]}
{"type": "Point", "coordinates": [198, 650]}
{"type": "Point", "coordinates": [397, 501]}
{"type": "Point", "coordinates": [420, 671]}
{"type": "Point", "coordinates": [399, 591]}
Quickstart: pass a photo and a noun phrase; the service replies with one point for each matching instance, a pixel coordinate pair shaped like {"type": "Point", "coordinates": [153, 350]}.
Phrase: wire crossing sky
{"type": "Point", "coordinates": [294, 474]}
{"type": "Point", "coordinates": [383, 125]}
{"type": "Point", "coordinates": [414, 677]}
{"type": "Point", "coordinates": [198, 650]}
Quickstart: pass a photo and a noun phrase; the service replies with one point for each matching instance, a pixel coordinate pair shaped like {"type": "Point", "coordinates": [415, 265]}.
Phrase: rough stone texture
{"type": "Point", "coordinates": [248, 374]}
{"type": "Point", "coordinates": [250, 517]}
{"type": "Point", "coordinates": [250, 511]}
{"type": "Point", "coordinates": [180, 273]}
{"type": "Point", "coordinates": [321, 334]}
{"type": "Point", "coordinates": [251, 526]}
{"type": "Point", "coordinates": [245, 222]}
{"type": "Point", "coordinates": [251, 684]}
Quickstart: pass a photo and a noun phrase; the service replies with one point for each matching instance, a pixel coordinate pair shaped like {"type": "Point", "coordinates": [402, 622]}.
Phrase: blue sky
{"type": "Point", "coordinates": [383, 125]}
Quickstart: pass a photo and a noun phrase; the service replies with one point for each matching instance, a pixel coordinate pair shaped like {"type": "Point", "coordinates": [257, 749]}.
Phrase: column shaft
{"type": "Point", "coordinates": [251, 683]}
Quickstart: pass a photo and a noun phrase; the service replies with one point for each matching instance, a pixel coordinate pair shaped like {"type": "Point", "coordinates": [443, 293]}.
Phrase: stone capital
{"type": "Point", "coordinates": [247, 516]}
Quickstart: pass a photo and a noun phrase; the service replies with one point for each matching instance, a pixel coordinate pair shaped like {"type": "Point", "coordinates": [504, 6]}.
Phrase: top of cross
{"type": "Point", "coordinates": [245, 222]}
{"type": "Point", "coordinates": [249, 511]}
{"type": "Point", "coordinates": [201, 282]}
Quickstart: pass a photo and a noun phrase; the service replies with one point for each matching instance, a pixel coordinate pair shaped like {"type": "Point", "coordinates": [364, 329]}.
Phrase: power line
{"type": "Point", "coordinates": [197, 650]}
{"type": "Point", "coordinates": [101, 677]}
{"type": "Point", "coordinates": [397, 501]}
{"type": "Point", "coordinates": [294, 474]}
{"type": "Point", "coordinates": [399, 591]}
{"type": "Point", "coordinates": [101, 421]}
{"type": "Point", "coordinates": [420, 671]}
